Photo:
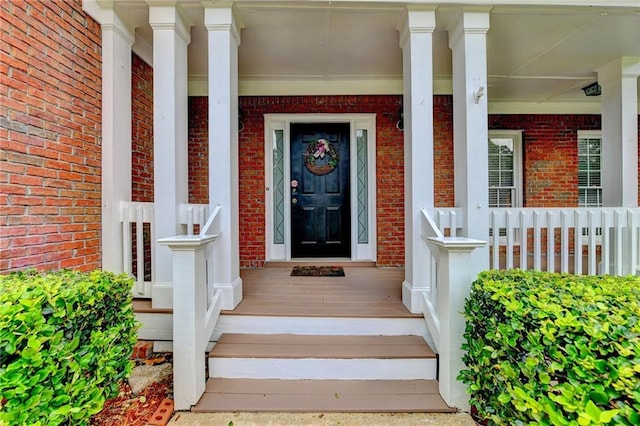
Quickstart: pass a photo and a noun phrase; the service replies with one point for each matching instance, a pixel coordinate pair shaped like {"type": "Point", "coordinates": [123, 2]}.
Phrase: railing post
{"type": "Point", "coordinates": [189, 310]}
{"type": "Point", "coordinates": [455, 275]}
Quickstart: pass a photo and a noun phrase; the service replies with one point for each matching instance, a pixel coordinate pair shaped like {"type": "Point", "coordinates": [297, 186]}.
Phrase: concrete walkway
{"type": "Point", "coordinates": [322, 419]}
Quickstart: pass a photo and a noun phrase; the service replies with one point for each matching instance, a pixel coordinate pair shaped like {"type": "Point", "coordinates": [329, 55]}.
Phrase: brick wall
{"type": "Point", "coordinates": [50, 116]}
{"type": "Point", "coordinates": [198, 150]}
{"type": "Point", "coordinates": [141, 152]}
{"type": "Point", "coordinates": [444, 191]}
{"type": "Point", "coordinates": [141, 130]}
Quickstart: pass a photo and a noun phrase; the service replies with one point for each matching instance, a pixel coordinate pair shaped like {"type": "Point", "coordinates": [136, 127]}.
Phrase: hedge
{"type": "Point", "coordinates": [553, 349]}
{"type": "Point", "coordinates": [65, 344]}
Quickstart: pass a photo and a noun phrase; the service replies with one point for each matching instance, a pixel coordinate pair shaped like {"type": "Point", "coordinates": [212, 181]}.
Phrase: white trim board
{"type": "Point", "coordinates": [323, 369]}
{"type": "Point", "coordinates": [273, 122]}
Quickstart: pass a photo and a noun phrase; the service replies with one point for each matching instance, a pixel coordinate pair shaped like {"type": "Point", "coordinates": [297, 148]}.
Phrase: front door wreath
{"type": "Point", "coordinates": [318, 150]}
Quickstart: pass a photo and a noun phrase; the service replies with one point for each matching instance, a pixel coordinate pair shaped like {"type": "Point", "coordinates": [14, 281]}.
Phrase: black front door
{"type": "Point", "coordinates": [320, 203]}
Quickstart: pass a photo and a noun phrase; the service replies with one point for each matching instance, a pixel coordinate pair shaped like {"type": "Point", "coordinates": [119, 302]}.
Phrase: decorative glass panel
{"type": "Point", "coordinates": [278, 187]}
{"type": "Point", "coordinates": [363, 187]}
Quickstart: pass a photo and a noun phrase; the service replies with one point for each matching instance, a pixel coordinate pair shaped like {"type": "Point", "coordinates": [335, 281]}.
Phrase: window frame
{"type": "Point", "coordinates": [586, 135]}
{"type": "Point", "coordinates": [516, 136]}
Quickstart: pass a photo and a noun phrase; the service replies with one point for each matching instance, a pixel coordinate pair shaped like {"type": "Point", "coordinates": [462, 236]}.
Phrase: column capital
{"type": "Point", "coordinates": [418, 19]}
{"type": "Point", "coordinates": [221, 17]}
{"type": "Point", "coordinates": [105, 15]}
{"type": "Point", "coordinates": [165, 15]}
{"type": "Point", "coordinates": [471, 20]}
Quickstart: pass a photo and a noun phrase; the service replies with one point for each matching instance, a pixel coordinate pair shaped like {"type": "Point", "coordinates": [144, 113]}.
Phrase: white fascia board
{"type": "Point", "coordinates": [532, 107]}
{"type": "Point", "coordinates": [389, 86]}
{"type": "Point", "coordinates": [403, 3]}
{"type": "Point", "coordinates": [296, 86]}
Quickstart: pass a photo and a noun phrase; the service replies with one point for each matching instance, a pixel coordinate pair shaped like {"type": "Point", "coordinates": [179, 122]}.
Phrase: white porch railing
{"type": "Point", "coordinates": [196, 309]}
{"type": "Point", "coordinates": [196, 304]}
{"type": "Point", "coordinates": [137, 248]}
{"type": "Point", "coordinates": [138, 235]}
{"type": "Point", "coordinates": [443, 303]}
{"type": "Point", "coordinates": [608, 240]}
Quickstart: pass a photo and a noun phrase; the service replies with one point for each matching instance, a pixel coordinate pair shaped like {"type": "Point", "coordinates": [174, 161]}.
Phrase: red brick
{"type": "Point", "coordinates": [142, 349]}
{"type": "Point", "coordinates": [163, 413]}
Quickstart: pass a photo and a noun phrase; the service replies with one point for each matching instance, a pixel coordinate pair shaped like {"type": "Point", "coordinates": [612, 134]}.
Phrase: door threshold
{"type": "Point", "coordinates": [338, 261]}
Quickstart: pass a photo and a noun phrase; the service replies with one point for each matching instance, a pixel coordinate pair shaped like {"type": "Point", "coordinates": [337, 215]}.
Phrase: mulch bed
{"type": "Point", "coordinates": [317, 271]}
{"type": "Point", "coordinates": [135, 410]}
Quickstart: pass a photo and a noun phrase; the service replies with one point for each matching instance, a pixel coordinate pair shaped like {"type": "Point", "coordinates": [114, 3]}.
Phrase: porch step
{"type": "Point", "coordinates": [304, 357]}
{"type": "Point", "coordinates": [251, 395]}
{"type": "Point", "coordinates": [305, 346]}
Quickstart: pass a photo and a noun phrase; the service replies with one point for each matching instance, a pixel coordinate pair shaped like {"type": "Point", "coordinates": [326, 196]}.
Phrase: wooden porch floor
{"type": "Point", "coordinates": [364, 292]}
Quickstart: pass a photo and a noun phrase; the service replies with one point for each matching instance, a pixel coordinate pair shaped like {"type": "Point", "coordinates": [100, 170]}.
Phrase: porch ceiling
{"type": "Point", "coordinates": [536, 54]}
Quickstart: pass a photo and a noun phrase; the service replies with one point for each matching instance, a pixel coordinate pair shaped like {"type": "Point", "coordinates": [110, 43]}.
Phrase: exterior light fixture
{"type": "Point", "coordinates": [478, 94]}
{"type": "Point", "coordinates": [593, 89]}
{"type": "Point", "coordinates": [240, 122]}
{"type": "Point", "coordinates": [400, 122]}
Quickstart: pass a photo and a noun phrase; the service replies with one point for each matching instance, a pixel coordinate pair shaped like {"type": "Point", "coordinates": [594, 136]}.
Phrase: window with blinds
{"type": "Point", "coordinates": [589, 179]}
{"type": "Point", "coordinates": [504, 158]}
{"type": "Point", "coordinates": [505, 171]}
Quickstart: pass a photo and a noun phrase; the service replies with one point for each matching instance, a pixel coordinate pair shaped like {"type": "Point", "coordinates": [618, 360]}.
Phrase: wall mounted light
{"type": "Point", "coordinates": [400, 122]}
{"type": "Point", "coordinates": [478, 94]}
{"type": "Point", "coordinates": [398, 117]}
{"type": "Point", "coordinates": [593, 89]}
{"type": "Point", "coordinates": [240, 122]}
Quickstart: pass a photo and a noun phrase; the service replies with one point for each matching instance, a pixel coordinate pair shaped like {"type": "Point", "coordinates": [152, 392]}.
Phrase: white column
{"type": "Point", "coordinates": [467, 40]}
{"type": "Point", "coordinates": [619, 82]}
{"type": "Point", "coordinates": [416, 36]}
{"type": "Point", "coordinates": [117, 40]}
{"type": "Point", "coordinates": [170, 132]}
{"type": "Point", "coordinates": [224, 39]}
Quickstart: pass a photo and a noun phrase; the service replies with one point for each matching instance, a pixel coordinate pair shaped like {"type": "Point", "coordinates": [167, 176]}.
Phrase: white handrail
{"type": "Point", "coordinates": [429, 228]}
{"type": "Point", "coordinates": [207, 227]}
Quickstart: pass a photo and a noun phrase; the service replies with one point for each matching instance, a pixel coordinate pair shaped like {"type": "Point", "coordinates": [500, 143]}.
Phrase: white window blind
{"type": "Point", "coordinates": [589, 169]}
{"type": "Point", "coordinates": [504, 156]}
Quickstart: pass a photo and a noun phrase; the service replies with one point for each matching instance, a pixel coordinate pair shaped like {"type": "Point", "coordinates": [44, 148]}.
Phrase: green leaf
{"type": "Point", "coordinates": [592, 411]}
{"type": "Point", "coordinates": [504, 398]}
{"type": "Point", "coordinates": [608, 415]}
{"type": "Point", "coordinates": [600, 397]}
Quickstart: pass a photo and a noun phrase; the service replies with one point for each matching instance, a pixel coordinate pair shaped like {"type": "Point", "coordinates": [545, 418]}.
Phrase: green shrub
{"type": "Point", "coordinates": [65, 343]}
{"type": "Point", "coordinates": [553, 349]}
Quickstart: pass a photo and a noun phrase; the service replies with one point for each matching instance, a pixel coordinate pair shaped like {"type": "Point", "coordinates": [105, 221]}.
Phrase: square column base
{"type": "Point", "coordinates": [231, 293]}
{"type": "Point", "coordinates": [413, 298]}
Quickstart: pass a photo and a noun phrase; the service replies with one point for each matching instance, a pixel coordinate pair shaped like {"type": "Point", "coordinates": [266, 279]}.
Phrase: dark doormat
{"type": "Point", "coordinates": [317, 271]}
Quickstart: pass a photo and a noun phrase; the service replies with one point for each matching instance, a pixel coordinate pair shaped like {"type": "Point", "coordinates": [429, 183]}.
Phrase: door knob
{"type": "Point", "coordinates": [294, 201]}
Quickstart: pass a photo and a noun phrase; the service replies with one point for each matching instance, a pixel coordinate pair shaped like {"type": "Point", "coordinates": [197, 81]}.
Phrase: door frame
{"type": "Point", "coordinates": [360, 250]}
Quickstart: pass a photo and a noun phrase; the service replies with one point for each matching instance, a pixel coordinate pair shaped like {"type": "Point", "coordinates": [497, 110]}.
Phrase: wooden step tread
{"type": "Point", "coordinates": [321, 396]}
{"type": "Point", "coordinates": [143, 306]}
{"type": "Point", "coordinates": [306, 346]}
